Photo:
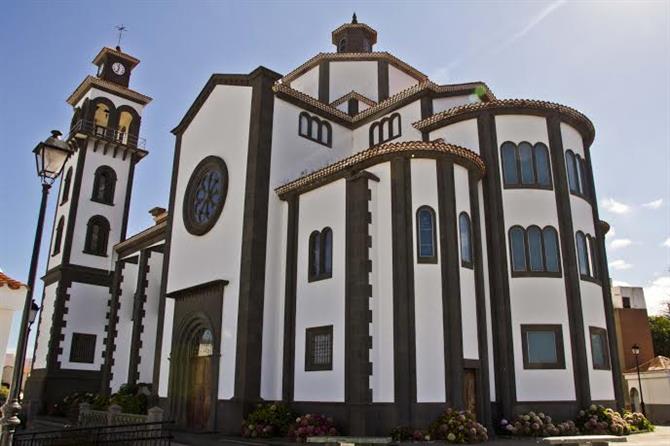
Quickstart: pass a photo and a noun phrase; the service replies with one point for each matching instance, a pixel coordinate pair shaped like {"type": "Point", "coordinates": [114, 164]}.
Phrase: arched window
{"type": "Point", "coordinates": [525, 165]}
{"type": "Point", "coordinates": [517, 237]}
{"type": "Point", "coordinates": [315, 129]}
{"type": "Point", "coordinates": [97, 236]}
{"type": "Point", "coordinates": [466, 239]}
{"type": "Point", "coordinates": [583, 179]}
{"type": "Point", "coordinates": [375, 136]}
{"type": "Point", "coordinates": [573, 177]}
{"type": "Point", "coordinates": [314, 255]}
{"type": "Point", "coordinates": [59, 236]}
{"type": "Point", "coordinates": [394, 131]}
{"type": "Point", "coordinates": [326, 253]}
{"type": "Point", "coordinates": [101, 118]}
{"type": "Point", "coordinates": [593, 254]}
{"type": "Point", "coordinates": [534, 251]}
{"type": "Point", "coordinates": [67, 182]}
{"type": "Point", "coordinates": [385, 130]}
{"type": "Point", "coordinates": [583, 255]}
{"type": "Point", "coordinates": [104, 185]}
{"type": "Point", "coordinates": [123, 128]}
{"type": "Point", "coordinates": [426, 238]}
{"type": "Point", "coordinates": [341, 48]}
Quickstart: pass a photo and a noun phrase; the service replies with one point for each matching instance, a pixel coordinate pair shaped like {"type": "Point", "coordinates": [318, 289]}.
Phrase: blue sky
{"type": "Point", "coordinates": [610, 60]}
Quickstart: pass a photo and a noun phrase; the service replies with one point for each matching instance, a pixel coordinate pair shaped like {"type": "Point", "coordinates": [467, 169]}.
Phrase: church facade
{"type": "Point", "coordinates": [350, 238]}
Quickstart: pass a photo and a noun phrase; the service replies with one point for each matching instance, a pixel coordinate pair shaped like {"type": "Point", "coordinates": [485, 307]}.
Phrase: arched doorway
{"type": "Point", "coordinates": [635, 399]}
{"type": "Point", "coordinates": [200, 404]}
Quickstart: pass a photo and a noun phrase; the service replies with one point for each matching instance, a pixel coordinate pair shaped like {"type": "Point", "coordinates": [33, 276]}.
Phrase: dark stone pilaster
{"type": "Point", "coordinates": [290, 297]}
{"type": "Point", "coordinates": [570, 268]}
{"type": "Point", "coordinates": [382, 80]}
{"type": "Point", "coordinates": [324, 82]}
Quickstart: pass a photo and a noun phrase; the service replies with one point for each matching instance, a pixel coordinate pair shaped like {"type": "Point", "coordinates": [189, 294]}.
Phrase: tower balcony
{"type": "Point", "coordinates": [84, 128]}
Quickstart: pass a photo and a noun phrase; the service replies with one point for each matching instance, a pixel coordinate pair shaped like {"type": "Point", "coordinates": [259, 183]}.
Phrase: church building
{"type": "Point", "coordinates": [349, 238]}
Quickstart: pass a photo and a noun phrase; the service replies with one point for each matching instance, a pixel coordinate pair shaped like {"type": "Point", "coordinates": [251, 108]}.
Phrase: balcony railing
{"type": "Point", "coordinates": [108, 133]}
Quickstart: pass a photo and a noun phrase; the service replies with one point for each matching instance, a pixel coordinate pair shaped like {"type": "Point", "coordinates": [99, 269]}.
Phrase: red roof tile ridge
{"type": "Point", "coordinates": [11, 283]}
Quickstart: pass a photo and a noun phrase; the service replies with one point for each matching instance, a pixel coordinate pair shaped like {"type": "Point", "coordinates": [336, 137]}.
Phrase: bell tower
{"type": "Point", "coordinates": [354, 37]}
{"type": "Point", "coordinates": [91, 217]}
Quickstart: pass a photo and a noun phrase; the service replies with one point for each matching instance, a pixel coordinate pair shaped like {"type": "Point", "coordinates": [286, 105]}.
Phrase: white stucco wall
{"type": "Point", "coordinates": [399, 80]}
{"type": "Point", "coordinates": [593, 310]}
{"type": "Point", "coordinates": [487, 294]}
{"type": "Point", "coordinates": [87, 309]}
{"type": "Point", "coordinates": [308, 83]}
{"type": "Point", "coordinates": [124, 326]}
{"type": "Point", "coordinates": [462, 133]}
{"type": "Point", "coordinates": [45, 324]}
{"type": "Point", "coordinates": [381, 278]}
{"type": "Point", "coordinates": [220, 128]}
{"type": "Point", "coordinates": [321, 302]}
{"type": "Point", "coordinates": [62, 210]}
{"type": "Point", "coordinates": [534, 300]}
{"type": "Point", "coordinates": [430, 382]}
{"type": "Point", "coordinates": [442, 104]}
{"type": "Point", "coordinates": [166, 349]}
{"type": "Point", "coordinates": [359, 76]}
{"type": "Point", "coordinates": [655, 386]}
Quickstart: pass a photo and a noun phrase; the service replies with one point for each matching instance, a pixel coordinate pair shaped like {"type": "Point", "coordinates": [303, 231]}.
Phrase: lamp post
{"type": "Point", "coordinates": [636, 352]}
{"type": "Point", "coordinates": [50, 157]}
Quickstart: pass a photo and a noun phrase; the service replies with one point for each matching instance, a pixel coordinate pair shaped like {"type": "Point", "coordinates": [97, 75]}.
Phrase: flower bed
{"type": "Point", "coordinates": [268, 420]}
{"type": "Point", "coordinates": [457, 427]}
{"type": "Point", "coordinates": [537, 425]}
{"type": "Point", "coordinates": [312, 426]}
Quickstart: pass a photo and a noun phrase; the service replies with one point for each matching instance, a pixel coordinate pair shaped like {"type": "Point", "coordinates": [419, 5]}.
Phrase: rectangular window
{"type": "Point", "coordinates": [542, 347]}
{"type": "Point", "coordinates": [626, 302]}
{"type": "Point", "coordinates": [82, 348]}
{"type": "Point", "coordinates": [599, 352]}
{"type": "Point", "coordinates": [319, 348]}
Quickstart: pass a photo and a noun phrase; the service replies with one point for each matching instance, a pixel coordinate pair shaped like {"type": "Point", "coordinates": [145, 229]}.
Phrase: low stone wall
{"type": "Point", "coordinates": [114, 416]}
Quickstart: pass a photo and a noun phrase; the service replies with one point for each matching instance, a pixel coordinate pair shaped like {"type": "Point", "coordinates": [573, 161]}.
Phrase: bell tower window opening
{"type": "Point", "coordinates": [101, 119]}
{"type": "Point", "coordinates": [104, 185]}
{"type": "Point", "coordinates": [97, 236]}
{"type": "Point", "coordinates": [125, 121]}
{"type": "Point", "coordinates": [342, 46]}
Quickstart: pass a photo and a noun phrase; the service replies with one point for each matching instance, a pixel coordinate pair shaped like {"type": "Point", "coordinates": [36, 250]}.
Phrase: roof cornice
{"type": "Point", "coordinates": [98, 59]}
{"type": "Point", "coordinates": [353, 95]}
{"type": "Point", "coordinates": [376, 154]}
{"type": "Point", "coordinates": [111, 87]}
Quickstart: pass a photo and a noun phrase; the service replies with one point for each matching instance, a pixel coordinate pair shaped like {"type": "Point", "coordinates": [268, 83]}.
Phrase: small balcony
{"type": "Point", "coordinates": [90, 128]}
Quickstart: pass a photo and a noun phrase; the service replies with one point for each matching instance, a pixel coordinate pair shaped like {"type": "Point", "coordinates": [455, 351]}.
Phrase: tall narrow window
{"type": "Point", "coordinates": [571, 165]}
{"type": "Point", "coordinates": [303, 124]}
{"type": "Point", "coordinates": [426, 235]}
{"type": "Point", "coordinates": [101, 119]}
{"type": "Point", "coordinates": [326, 134]}
{"type": "Point", "coordinates": [525, 165]}
{"type": "Point", "coordinates": [600, 354]}
{"type": "Point", "coordinates": [593, 255]}
{"type": "Point", "coordinates": [541, 154]}
{"type": "Point", "coordinates": [526, 159]}
{"type": "Point", "coordinates": [518, 248]}
{"type": "Point", "coordinates": [67, 183]}
{"type": "Point", "coordinates": [583, 255]}
{"type": "Point", "coordinates": [104, 185]}
{"type": "Point", "coordinates": [550, 239]}
{"type": "Point", "coordinates": [125, 120]}
{"type": "Point", "coordinates": [466, 240]}
{"type": "Point", "coordinates": [58, 240]}
{"type": "Point", "coordinates": [326, 253]}
{"type": "Point", "coordinates": [314, 255]}
{"type": "Point", "coordinates": [510, 174]}
{"type": "Point", "coordinates": [535, 248]}
{"type": "Point", "coordinates": [394, 131]}
{"type": "Point", "coordinates": [341, 48]}
{"type": "Point", "coordinates": [97, 236]}
{"type": "Point", "coordinates": [583, 180]}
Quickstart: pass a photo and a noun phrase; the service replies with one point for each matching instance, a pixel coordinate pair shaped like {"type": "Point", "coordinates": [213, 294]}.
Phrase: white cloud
{"type": "Point", "coordinates": [611, 205]}
{"type": "Point", "coordinates": [620, 243]}
{"type": "Point", "coordinates": [611, 233]}
{"type": "Point", "coordinates": [666, 242]}
{"type": "Point", "coordinates": [657, 294]}
{"type": "Point", "coordinates": [654, 204]}
{"type": "Point", "coordinates": [620, 283]}
{"type": "Point", "coordinates": [620, 264]}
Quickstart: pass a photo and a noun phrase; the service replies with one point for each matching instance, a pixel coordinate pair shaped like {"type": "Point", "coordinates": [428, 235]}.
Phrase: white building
{"type": "Point", "coordinates": [12, 298]}
{"type": "Point", "coordinates": [350, 238]}
{"type": "Point", "coordinates": [654, 381]}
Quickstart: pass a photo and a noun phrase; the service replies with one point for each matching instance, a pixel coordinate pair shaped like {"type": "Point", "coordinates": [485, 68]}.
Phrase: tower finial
{"type": "Point", "coordinates": [354, 19]}
{"type": "Point", "coordinates": [121, 29]}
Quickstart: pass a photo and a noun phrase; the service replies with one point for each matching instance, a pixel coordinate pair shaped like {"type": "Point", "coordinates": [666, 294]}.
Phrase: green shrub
{"type": "Point", "coordinates": [455, 426]}
{"type": "Point", "coordinates": [600, 420]}
{"type": "Point", "coordinates": [406, 433]}
{"type": "Point", "coordinates": [534, 424]}
{"type": "Point", "coordinates": [268, 420]}
{"type": "Point", "coordinates": [638, 422]}
{"type": "Point", "coordinates": [4, 394]}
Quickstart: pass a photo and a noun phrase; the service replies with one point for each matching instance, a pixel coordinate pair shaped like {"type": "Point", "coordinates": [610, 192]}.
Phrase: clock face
{"type": "Point", "coordinates": [205, 195]}
{"type": "Point", "coordinates": [118, 68]}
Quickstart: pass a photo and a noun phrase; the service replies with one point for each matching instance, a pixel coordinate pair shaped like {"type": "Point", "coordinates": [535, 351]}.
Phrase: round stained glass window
{"type": "Point", "coordinates": [205, 195]}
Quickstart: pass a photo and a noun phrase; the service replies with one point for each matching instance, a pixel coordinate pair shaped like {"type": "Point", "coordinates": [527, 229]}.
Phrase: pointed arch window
{"type": "Point", "coordinates": [67, 183]}
{"type": "Point", "coordinates": [320, 255]}
{"type": "Point", "coordinates": [525, 165]}
{"type": "Point", "coordinates": [104, 185]}
{"type": "Point", "coordinates": [58, 239]}
{"type": "Point", "coordinates": [97, 236]}
{"type": "Point", "coordinates": [534, 251]}
{"type": "Point", "coordinates": [466, 239]}
{"type": "Point", "coordinates": [426, 235]}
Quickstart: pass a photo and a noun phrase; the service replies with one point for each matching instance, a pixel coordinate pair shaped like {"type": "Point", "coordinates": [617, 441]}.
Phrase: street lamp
{"type": "Point", "coordinates": [636, 352]}
{"type": "Point", "coordinates": [50, 157]}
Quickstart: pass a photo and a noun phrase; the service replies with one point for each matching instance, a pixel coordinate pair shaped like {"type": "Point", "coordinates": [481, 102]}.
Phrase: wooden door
{"type": "Point", "coordinates": [200, 396]}
{"type": "Point", "coordinates": [470, 390]}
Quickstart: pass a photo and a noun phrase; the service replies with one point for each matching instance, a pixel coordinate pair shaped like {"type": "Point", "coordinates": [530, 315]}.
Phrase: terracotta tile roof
{"type": "Point", "coordinates": [92, 81]}
{"type": "Point", "coordinates": [11, 283]}
{"type": "Point", "coordinates": [656, 364]}
{"type": "Point", "coordinates": [353, 95]}
{"type": "Point", "coordinates": [507, 104]}
{"type": "Point", "coordinates": [321, 176]}
{"type": "Point", "coordinates": [374, 55]}
{"type": "Point", "coordinates": [414, 89]}
{"type": "Point", "coordinates": [355, 25]}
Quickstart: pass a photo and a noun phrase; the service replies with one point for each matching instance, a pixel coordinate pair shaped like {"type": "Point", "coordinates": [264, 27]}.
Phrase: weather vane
{"type": "Point", "coordinates": [120, 29]}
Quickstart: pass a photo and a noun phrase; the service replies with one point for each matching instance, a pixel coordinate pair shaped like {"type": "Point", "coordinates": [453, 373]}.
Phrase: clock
{"type": "Point", "coordinates": [205, 195]}
{"type": "Point", "coordinates": [118, 68]}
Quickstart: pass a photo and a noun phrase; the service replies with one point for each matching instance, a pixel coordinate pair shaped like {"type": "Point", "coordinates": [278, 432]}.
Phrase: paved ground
{"type": "Point", "coordinates": [661, 437]}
